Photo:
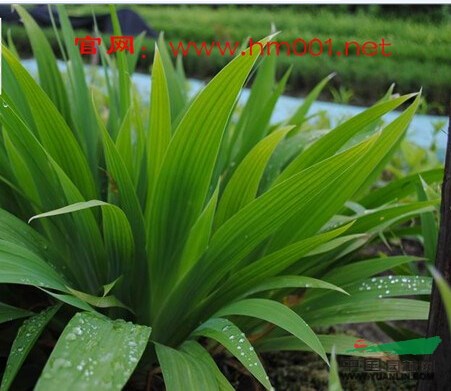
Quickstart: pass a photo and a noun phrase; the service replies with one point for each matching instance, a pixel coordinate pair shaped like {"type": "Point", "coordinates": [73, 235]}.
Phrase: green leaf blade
{"type": "Point", "coordinates": [94, 352]}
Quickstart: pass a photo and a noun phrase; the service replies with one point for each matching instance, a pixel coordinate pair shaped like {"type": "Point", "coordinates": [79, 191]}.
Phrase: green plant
{"type": "Point", "coordinates": [342, 95]}
{"type": "Point", "coordinates": [192, 224]}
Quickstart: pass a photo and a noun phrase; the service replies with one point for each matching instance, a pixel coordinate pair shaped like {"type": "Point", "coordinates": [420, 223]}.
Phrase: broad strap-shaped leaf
{"type": "Point", "coordinates": [21, 266]}
{"type": "Point", "coordinates": [243, 185]}
{"type": "Point", "coordinates": [177, 91]}
{"type": "Point", "coordinates": [16, 231]}
{"type": "Point", "coordinates": [371, 310]}
{"type": "Point", "coordinates": [53, 131]}
{"type": "Point", "coordinates": [94, 352]}
{"type": "Point", "coordinates": [333, 196]}
{"type": "Point", "coordinates": [199, 352]}
{"type": "Point", "coordinates": [374, 288]}
{"type": "Point", "coordinates": [248, 228]}
{"type": "Point", "coordinates": [130, 141]}
{"type": "Point", "coordinates": [159, 132]}
{"type": "Point", "coordinates": [360, 270]}
{"type": "Point", "coordinates": [56, 190]}
{"type": "Point", "coordinates": [199, 236]}
{"type": "Point", "coordinates": [278, 314]}
{"type": "Point", "coordinates": [375, 221]}
{"type": "Point", "coordinates": [182, 371]}
{"type": "Point", "coordinates": [399, 188]}
{"type": "Point", "coordinates": [231, 337]}
{"type": "Point", "coordinates": [332, 142]}
{"type": "Point", "coordinates": [262, 88]}
{"type": "Point", "coordinates": [281, 282]}
{"type": "Point", "coordinates": [26, 338]}
{"type": "Point", "coordinates": [269, 266]}
{"type": "Point", "coordinates": [117, 233]}
{"type": "Point", "coordinates": [342, 344]}
{"type": "Point", "coordinates": [127, 199]}
{"type": "Point", "coordinates": [186, 172]}
{"type": "Point", "coordinates": [82, 113]}
{"type": "Point", "coordinates": [50, 77]}
{"type": "Point", "coordinates": [123, 72]}
{"type": "Point", "coordinates": [259, 126]}
{"type": "Point", "coordinates": [20, 171]}
{"type": "Point", "coordinates": [100, 302]}
{"type": "Point", "coordinates": [8, 313]}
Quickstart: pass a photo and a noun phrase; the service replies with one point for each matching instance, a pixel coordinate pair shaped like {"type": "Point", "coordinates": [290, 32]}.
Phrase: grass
{"type": "Point", "coordinates": [420, 56]}
{"type": "Point", "coordinates": [144, 237]}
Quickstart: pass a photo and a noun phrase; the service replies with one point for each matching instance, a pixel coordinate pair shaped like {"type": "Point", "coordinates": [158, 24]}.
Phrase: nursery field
{"type": "Point", "coordinates": [420, 45]}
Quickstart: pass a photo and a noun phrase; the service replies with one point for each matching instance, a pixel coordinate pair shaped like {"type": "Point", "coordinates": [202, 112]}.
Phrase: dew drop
{"type": "Point", "coordinates": [71, 337]}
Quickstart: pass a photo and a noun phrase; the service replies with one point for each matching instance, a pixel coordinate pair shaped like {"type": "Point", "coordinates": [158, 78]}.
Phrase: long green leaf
{"type": "Point", "coordinates": [8, 313]}
{"type": "Point", "coordinates": [235, 239]}
{"type": "Point", "coordinates": [332, 142]}
{"type": "Point", "coordinates": [187, 170]}
{"type": "Point", "coordinates": [94, 352]}
{"type": "Point", "coordinates": [342, 344]}
{"type": "Point", "coordinates": [243, 185]}
{"type": "Point", "coordinates": [231, 337]}
{"type": "Point", "coordinates": [281, 282]}
{"type": "Point", "coordinates": [82, 112]}
{"type": "Point", "coordinates": [50, 77]}
{"type": "Point", "coordinates": [371, 310]}
{"type": "Point", "coordinates": [341, 189]}
{"type": "Point", "coordinates": [159, 132]}
{"type": "Point", "coordinates": [182, 371]}
{"type": "Point", "coordinates": [399, 188]}
{"type": "Point", "coordinates": [26, 338]}
{"type": "Point", "coordinates": [53, 131]}
{"type": "Point", "coordinates": [280, 315]}
{"type": "Point", "coordinates": [195, 349]}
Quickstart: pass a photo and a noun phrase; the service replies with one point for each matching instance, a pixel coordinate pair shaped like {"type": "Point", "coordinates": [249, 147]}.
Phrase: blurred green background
{"type": "Point", "coordinates": [420, 36]}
